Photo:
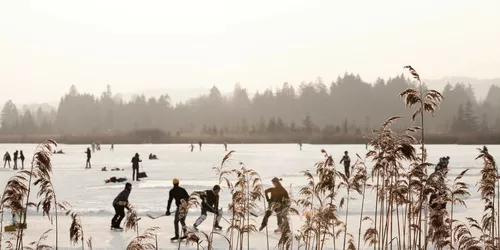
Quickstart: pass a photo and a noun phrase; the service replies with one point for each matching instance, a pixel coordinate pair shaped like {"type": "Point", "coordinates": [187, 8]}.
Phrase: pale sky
{"type": "Point", "coordinates": [45, 46]}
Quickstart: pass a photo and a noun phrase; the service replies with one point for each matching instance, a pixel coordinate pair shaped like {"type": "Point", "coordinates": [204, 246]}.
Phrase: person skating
{"type": "Point", "coordinates": [112, 147]}
{"type": "Point", "coordinates": [6, 159]}
{"type": "Point", "coordinates": [89, 155]}
{"type": "Point", "coordinates": [225, 146]}
{"type": "Point", "coordinates": [200, 144]}
{"type": "Point", "coordinates": [135, 167]}
{"type": "Point", "coordinates": [278, 201]}
{"type": "Point", "coordinates": [192, 147]}
{"type": "Point", "coordinates": [300, 146]}
{"type": "Point", "coordinates": [178, 194]}
{"type": "Point", "coordinates": [16, 154]}
{"type": "Point", "coordinates": [22, 159]}
{"type": "Point", "coordinates": [119, 204]}
{"type": "Point", "coordinates": [210, 203]}
{"type": "Point", "coordinates": [347, 163]}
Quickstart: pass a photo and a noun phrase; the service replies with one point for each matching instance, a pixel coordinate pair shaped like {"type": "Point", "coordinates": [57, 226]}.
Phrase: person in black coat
{"type": "Point", "coordinates": [119, 204]}
{"type": "Point", "coordinates": [278, 201]}
{"type": "Point", "coordinates": [135, 167]}
{"type": "Point", "coordinates": [22, 159]}
{"type": "Point", "coordinates": [347, 163]}
{"type": "Point", "coordinates": [210, 203]}
{"type": "Point", "coordinates": [15, 159]}
{"type": "Point", "coordinates": [178, 194]}
{"type": "Point", "coordinates": [89, 155]}
{"type": "Point", "coordinates": [6, 159]}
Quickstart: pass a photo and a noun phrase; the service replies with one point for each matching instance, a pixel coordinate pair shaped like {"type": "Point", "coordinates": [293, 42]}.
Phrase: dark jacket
{"type": "Point", "coordinates": [89, 154]}
{"type": "Point", "coordinates": [278, 194]}
{"type": "Point", "coordinates": [22, 156]}
{"type": "Point", "coordinates": [15, 156]}
{"type": "Point", "coordinates": [209, 198]}
{"type": "Point", "coordinates": [178, 194]}
{"type": "Point", "coordinates": [346, 159]}
{"type": "Point", "coordinates": [135, 161]}
{"type": "Point", "coordinates": [123, 196]}
{"type": "Point", "coordinates": [6, 157]}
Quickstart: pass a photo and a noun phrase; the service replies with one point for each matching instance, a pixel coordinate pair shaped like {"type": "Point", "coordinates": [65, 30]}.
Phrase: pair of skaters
{"type": "Point", "coordinates": [278, 201]}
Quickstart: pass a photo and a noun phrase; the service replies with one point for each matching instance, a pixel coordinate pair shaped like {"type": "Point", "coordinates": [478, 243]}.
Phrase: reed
{"type": "Point", "coordinates": [143, 241]}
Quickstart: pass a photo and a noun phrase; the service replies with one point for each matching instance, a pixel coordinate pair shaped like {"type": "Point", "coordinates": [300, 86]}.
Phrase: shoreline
{"type": "Point", "coordinates": [136, 138]}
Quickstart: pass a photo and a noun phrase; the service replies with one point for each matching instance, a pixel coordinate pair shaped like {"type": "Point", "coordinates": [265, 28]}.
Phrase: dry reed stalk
{"type": "Point", "coordinates": [38, 245]}
{"type": "Point", "coordinates": [489, 178]}
{"type": "Point", "coordinates": [42, 167]}
{"type": "Point", "coordinates": [142, 242]}
{"type": "Point", "coordinates": [428, 102]}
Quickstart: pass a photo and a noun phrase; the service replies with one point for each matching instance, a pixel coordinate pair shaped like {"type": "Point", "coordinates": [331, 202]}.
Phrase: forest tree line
{"type": "Point", "coordinates": [348, 105]}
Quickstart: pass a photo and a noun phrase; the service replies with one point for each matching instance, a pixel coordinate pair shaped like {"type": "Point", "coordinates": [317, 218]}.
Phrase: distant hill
{"type": "Point", "coordinates": [480, 86]}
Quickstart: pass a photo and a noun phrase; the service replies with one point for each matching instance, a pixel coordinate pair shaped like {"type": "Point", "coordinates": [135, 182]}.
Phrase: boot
{"type": "Point", "coordinates": [216, 226]}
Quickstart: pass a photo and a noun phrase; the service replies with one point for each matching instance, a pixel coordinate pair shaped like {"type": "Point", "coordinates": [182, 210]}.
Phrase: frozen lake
{"type": "Point", "coordinates": [91, 197]}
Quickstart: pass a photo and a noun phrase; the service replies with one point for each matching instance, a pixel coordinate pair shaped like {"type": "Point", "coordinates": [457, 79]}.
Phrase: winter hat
{"type": "Point", "coordinates": [276, 180]}
{"type": "Point", "coordinates": [175, 181]}
{"type": "Point", "coordinates": [216, 187]}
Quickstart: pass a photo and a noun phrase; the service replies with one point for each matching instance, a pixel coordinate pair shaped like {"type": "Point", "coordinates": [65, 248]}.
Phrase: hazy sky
{"type": "Point", "coordinates": [45, 46]}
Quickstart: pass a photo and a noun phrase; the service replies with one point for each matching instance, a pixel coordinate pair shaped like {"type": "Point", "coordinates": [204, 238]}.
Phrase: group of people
{"type": "Point", "coordinates": [16, 155]}
{"type": "Point", "coordinates": [201, 144]}
{"type": "Point", "coordinates": [277, 197]}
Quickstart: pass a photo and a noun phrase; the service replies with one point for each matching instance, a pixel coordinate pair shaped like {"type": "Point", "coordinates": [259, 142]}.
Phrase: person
{"type": "Point", "coordinates": [93, 147]}
{"type": "Point", "coordinates": [114, 179]}
{"type": "Point", "coordinates": [278, 201]}
{"type": "Point", "coordinates": [199, 143]}
{"type": "Point", "coordinates": [347, 163]}
{"type": "Point", "coordinates": [179, 194]}
{"type": "Point", "coordinates": [89, 155]}
{"type": "Point", "coordinates": [192, 147]}
{"type": "Point", "coordinates": [15, 159]}
{"type": "Point", "coordinates": [119, 204]}
{"type": "Point", "coordinates": [210, 203]}
{"type": "Point", "coordinates": [135, 167]}
{"type": "Point", "coordinates": [443, 165]}
{"type": "Point", "coordinates": [225, 146]}
{"type": "Point", "coordinates": [22, 159]}
{"type": "Point", "coordinates": [300, 145]}
{"type": "Point", "coordinates": [6, 159]}
{"type": "Point", "coordinates": [112, 147]}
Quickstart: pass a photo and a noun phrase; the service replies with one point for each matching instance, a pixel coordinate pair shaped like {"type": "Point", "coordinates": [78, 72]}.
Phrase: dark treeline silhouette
{"type": "Point", "coordinates": [348, 106]}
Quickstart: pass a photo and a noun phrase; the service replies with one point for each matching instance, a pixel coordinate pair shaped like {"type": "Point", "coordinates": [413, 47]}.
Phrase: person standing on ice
{"type": "Point", "coordinates": [89, 155]}
{"type": "Point", "coordinates": [119, 204]}
{"type": "Point", "coordinates": [278, 201]}
{"type": "Point", "coordinates": [210, 203]}
{"type": "Point", "coordinates": [22, 159]}
{"type": "Point", "coordinates": [347, 163]}
{"type": "Point", "coordinates": [6, 159]}
{"type": "Point", "coordinates": [192, 147]}
{"type": "Point", "coordinates": [135, 167]}
{"type": "Point", "coordinates": [15, 159]}
{"type": "Point", "coordinates": [201, 144]}
{"type": "Point", "coordinates": [179, 194]}
{"type": "Point", "coordinates": [225, 146]}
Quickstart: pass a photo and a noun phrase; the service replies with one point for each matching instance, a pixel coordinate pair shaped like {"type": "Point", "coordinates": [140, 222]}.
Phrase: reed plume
{"type": "Point", "coordinates": [38, 245]}
{"type": "Point", "coordinates": [76, 229]}
{"type": "Point", "coordinates": [142, 242]}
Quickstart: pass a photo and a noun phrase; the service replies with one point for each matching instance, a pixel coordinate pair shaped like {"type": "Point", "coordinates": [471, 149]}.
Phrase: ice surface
{"type": "Point", "coordinates": [91, 197]}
